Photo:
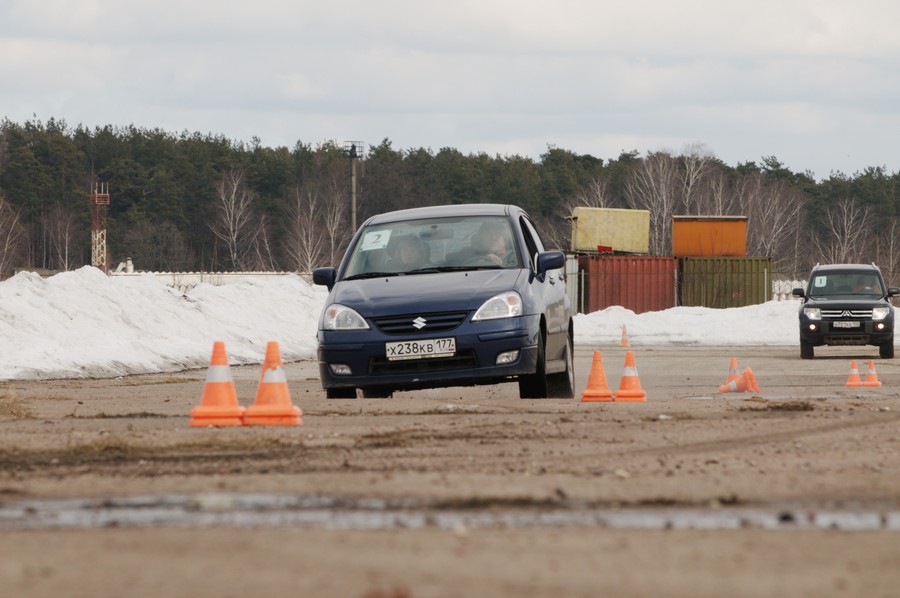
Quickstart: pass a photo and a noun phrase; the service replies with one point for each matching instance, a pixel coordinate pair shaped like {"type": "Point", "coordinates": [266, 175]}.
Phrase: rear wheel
{"type": "Point", "coordinates": [806, 350]}
{"type": "Point", "coordinates": [340, 393]}
{"type": "Point", "coordinates": [886, 351]}
{"type": "Point", "coordinates": [562, 385]}
{"type": "Point", "coordinates": [534, 386]}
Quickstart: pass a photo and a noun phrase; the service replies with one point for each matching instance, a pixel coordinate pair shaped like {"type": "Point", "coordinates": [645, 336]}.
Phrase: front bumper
{"type": "Point", "coordinates": [827, 333]}
{"type": "Point", "coordinates": [477, 346]}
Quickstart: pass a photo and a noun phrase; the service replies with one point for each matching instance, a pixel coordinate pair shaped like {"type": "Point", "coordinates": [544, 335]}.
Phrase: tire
{"type": "Point", "coordinates": [377, 393]}
{"type": "Point", "coordinates": [534, 386]}
{"type": "Point", "coordinates": [886, 351]}
{"type": "Point", "coordinates": [340, 393]}
{"type": "Point", "coordinates": [562, 385]}
{"type": "Point", "coordinates": [806, 350]}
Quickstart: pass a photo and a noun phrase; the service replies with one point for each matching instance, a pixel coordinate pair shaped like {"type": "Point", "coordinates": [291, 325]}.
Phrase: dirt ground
{"type": "Point", "coordinates": [805, 443]}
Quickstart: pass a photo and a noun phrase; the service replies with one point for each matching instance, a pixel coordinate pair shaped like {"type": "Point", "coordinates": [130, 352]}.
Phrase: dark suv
{"type": "Point", "coordinates": [846, 304]}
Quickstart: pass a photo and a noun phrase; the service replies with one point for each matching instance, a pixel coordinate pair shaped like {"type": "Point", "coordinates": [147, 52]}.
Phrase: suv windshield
{"type": "Point", "coordinates": [435, 244]}
{"type": "Point", "coordinates": [845, 284]}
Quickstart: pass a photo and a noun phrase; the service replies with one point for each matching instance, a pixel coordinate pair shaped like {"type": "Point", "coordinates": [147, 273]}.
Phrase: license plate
{"type": "Point", "coordinates": [420, 349]}
{"type": "Point", "coordinates": [845, 324]}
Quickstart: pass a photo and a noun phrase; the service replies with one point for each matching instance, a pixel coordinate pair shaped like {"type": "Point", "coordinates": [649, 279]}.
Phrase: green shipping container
{"type": "Point", "coordinates": [724, 281]}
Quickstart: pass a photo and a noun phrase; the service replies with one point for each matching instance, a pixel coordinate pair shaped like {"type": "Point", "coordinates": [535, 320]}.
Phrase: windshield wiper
{"type": "Point", "coordinates": [371, 275]}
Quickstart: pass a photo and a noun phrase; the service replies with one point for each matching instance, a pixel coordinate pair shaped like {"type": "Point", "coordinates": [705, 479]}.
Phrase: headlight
{"type": "Point", "coordinates": [504, 305]}
{"type": "Point", "coordinates": [813, 313]}
{"type": "Point", "coordinates": [341, 317]}
{"type": "Point", "coordinates": [880, 313]}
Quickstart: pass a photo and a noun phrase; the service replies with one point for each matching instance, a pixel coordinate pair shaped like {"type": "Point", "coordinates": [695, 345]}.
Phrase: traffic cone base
{"type": "Point", "coordinates": [273, 406]}
{"type": "Point", "coordinates": [597, 390]}
{"type": "Point", "coordinates": [219, 405]}
{"type": "Point", "coordinates": [871, 377]}
{"type": "Point", "coordinates": [630, 390]}
{"type": "Point", "coordinates": [853, 379]}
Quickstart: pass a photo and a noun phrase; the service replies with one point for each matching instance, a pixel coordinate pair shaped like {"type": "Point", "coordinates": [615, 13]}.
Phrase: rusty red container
{"type": "Point", "coordinates": [640, 283]}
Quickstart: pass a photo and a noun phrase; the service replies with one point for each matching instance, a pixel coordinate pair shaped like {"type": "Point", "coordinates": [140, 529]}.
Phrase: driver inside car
{"type": "Point", "coordinates": [488, 246]}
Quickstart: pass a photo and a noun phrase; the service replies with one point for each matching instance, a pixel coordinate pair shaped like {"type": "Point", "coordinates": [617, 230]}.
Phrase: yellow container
{"type": "Point", "coordinates": [611, 230]}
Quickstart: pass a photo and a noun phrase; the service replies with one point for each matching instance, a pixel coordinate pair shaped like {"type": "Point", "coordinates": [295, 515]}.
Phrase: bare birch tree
{"type": "Point", "coordinates": [10, 237]}
{"type": "Point", "coordinates": [305, 239]}
{"type": "Point", "coordinates": [59, 226]}
{"type": "Point", "coordinates": [848, 229]}
{"type": "Point", "coordinates": [653, 185]}
{"type": "Point", "coordinates": [696, 167]}
{"type": "Point", "coordinates": [234, 224]}
{"type": "Point", "coordinates": [774, 212]}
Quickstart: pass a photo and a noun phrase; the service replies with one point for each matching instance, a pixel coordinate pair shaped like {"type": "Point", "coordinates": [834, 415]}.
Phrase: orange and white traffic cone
{"type": "Point", "coordinates": [853, 379]}
{"type": "Point", "coordinates": [733, 373]}
{"type": "Point", "coordinates": [597, 390]}
{"type": "Point", "coordinates": [746, 382]}
{"type": "Point", "coordinates": [624, 341]}
{"type": "Point", "coordinates": [871, 376]}
{"type": "Point", "coordinates": [219, 405]}
{"type": "Point", "coordinates": [630, 390]}
{"type": "Point", "coordinates": [273, 406]}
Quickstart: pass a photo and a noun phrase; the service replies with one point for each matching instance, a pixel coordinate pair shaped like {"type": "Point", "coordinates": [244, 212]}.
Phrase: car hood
{"type": "Point", "coordinates": [440, 292]}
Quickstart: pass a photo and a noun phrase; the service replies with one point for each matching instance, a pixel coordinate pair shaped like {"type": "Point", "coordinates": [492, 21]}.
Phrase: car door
{"type": "Point", "coordinates": [551, 289]}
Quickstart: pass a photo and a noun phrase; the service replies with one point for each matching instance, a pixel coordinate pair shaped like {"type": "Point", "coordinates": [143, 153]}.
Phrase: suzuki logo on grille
{"type": "Point", "coordinates": [419, 323]}
{"type": "Point", "coordinates": [846, 314]}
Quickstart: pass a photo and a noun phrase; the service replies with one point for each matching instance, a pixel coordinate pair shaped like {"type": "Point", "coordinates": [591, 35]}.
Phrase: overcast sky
{"type": "Point", "coordinates": [813, 82]}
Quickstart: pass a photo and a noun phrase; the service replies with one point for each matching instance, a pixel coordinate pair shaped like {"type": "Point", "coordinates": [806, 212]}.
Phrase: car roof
{"type": "Point", "coordinates": [844, 267]}
{"type": "Point", "coordinates": [469, 209]}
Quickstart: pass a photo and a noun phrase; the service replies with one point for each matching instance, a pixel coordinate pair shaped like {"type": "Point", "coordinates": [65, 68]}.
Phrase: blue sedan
{"type": "Point", "coordinates": [442, 296]}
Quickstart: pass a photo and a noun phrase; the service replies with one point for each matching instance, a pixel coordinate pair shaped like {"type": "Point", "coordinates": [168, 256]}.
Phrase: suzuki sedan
{"type": "Point", "coordinates": [446, 296]}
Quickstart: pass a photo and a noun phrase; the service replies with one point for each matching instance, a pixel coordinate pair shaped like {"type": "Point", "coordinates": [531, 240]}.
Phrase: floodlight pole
{"type": "Point", "coordinates": [356, 150]}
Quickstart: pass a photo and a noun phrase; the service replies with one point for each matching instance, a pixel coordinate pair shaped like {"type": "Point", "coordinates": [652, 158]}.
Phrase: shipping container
{"type": "Point", "coordinates": [724, 281]}
{"type": "Point", "coordinates": [709, 236]}
{"type": "Point", "coordinates": [611, 230]}
{"type": "Point", "coordinates": [638, 283]}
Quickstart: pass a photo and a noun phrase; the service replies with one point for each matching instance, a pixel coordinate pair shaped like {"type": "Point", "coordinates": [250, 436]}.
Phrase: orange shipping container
{"type": "Point", "coordinates": [638, 283]}
{"type": "Point", "coordinates": [709, 236]}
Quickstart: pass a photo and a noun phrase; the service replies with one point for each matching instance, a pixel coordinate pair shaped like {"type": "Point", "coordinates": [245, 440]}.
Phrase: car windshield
{"type": "Point", "coordinates": [845, 284]}
{"type": "Point", "coordinates": [433, 245]}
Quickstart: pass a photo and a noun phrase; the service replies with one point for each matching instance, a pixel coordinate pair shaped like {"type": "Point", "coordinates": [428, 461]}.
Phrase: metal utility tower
{"type": "Point", "coordinates": [99, 202]}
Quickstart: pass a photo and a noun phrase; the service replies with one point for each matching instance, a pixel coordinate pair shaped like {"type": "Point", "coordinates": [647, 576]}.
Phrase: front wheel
{"type": "Point", "coordinates": [806, 350]}
{"type": "Point", "coordinates": [534, 386]}
{"type": "Point", "coordinates": [562, 385]}
{"type": "Point", "coordinates": [886, 351]}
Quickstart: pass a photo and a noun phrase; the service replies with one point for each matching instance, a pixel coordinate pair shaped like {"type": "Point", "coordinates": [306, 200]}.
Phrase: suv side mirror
{"type": "Point", "coordinates": [893, 291]}
{"type": "Point", "coordinates": [798, 293]}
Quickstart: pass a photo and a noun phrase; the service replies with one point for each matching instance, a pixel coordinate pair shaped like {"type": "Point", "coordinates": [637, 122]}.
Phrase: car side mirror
{"type": "Point", "coordinates": [550, 260]}
{"type": "Point", "coordinates": [893, 291]}
{"type": "Point", "coordinates": [798, 293]}
{"type": "Point", "coordinates": [325, 276]}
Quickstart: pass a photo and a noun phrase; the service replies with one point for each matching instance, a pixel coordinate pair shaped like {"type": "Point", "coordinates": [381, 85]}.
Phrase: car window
{"type": "Point", "coordinates": [413, 246]}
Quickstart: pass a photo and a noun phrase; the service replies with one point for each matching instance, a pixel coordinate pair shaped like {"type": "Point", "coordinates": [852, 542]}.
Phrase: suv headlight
{"type": "Point", "coordinates": [880, 313]}
{"type": "Point", "coordinates": [813, 313]}
{"type": "Point", "coordinates": [504, 305]}
{"type": "Point", "coordinates": [341, 317]}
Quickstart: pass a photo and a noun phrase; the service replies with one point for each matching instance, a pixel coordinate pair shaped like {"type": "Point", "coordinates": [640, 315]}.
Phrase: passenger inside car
{"type": "Point", "coordinates": [408, 253]}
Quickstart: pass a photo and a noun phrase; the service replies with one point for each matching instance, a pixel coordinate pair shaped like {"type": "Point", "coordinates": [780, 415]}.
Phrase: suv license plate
{"type": "Point", "coordinates": [845, 324]}
{"type": "Point", "coordinates": [420, 349]}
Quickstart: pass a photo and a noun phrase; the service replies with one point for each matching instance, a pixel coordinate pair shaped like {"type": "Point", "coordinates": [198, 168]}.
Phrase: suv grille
{"type": "Point", "coordinates": [835, 314]}
{"type": "Point", "coordinates": [410, 323]}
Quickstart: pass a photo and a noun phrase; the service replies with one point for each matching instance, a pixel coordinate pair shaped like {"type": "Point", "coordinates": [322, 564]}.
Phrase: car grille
{"type": "Point", "coordinates": [463, 359]}
{"type": "Point", "coordinates": [834, 314]}
{"type": "Point", "coordinates": [409, 323]}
